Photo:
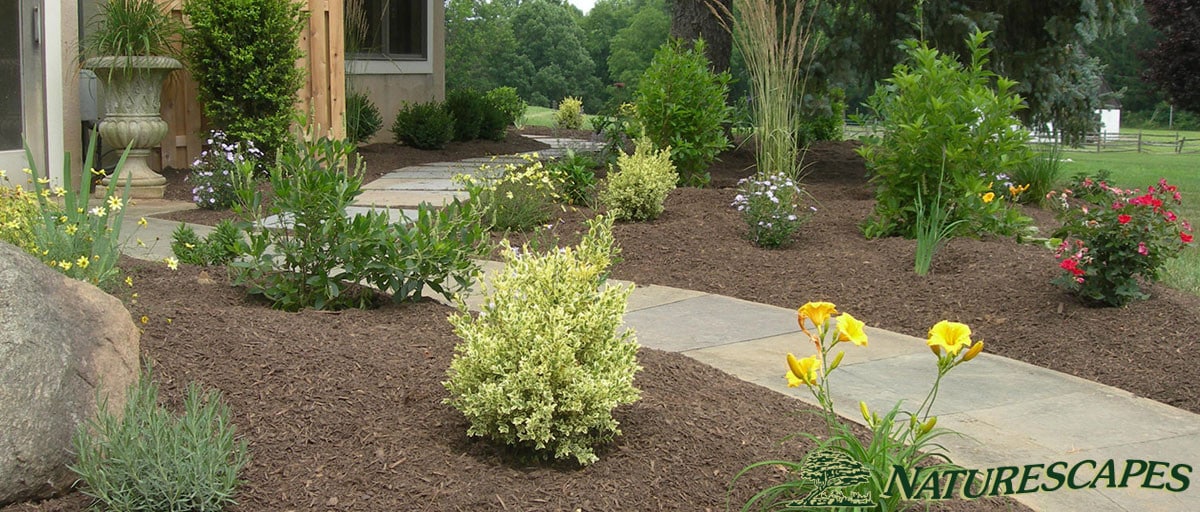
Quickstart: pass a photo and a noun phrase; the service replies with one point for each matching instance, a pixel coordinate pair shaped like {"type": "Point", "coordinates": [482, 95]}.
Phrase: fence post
{"type": "Point", "coordinates": [1139, 142]}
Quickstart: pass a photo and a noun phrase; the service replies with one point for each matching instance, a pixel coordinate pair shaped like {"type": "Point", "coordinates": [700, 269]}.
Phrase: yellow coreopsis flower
{"type": "Point", "coordinates": [172, 263]}
{"type": "Point", "coordinates": [851, 329]}
{"type": "Point", "coordinates": [71, 229]}
{"type": "Point", "coordinates": [65, 265]}
{"type": "Point", "coordinates": [949, 336]}
{"type": "Point", "coordinates": [129, 281]}
{"type": "Point", "coordinates": [114, 204]}
{"type": "Point", "coordinates": [142, 222]}
{"type": "Point", "coordinates": [60, 192]}
{"type": "Point", "coordinates": [802, 371]}
{"type": "Point", "coordinates": [816, 312]}
{"type": "Point", "coordinates": [988, 197]}
{"type": "Point", "coordinates": [43, 181]}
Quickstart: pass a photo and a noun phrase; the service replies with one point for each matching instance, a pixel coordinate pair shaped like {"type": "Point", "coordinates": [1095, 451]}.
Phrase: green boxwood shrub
{"type": "Point", "coordinates": [466, 106]}
{"type": "Point", "coordinates": [362, 118]}
{"type": "Point", "coordinates": [242, 54]}
{"type": "Point", "coordinates": [638, 188]}
{"type": "Point", "coordinates": [509, 102]}
{"type": "Point", "coordinates": [546, 361]}
{"type": "Point", "coordinates": [424, 125]}
{"type": "Point", "coordinates": [681, 104]}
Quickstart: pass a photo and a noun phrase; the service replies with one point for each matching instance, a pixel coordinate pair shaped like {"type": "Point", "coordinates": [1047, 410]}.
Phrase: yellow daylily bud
{"type": "Point", "coordinates": [837, 360]}
{"type": "Point", "coordinates": [928, 425]}
{"type": "Point", "coordinates": [866, 413]}
{"type": "Point", "coordinates": [973, 351]}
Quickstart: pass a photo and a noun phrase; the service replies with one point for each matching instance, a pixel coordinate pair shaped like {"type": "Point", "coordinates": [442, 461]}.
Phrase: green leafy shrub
{"type": "Point", "coordinates": [494, 121]}
{"type": "Point", "coordinates": [509, 102]}
{"type": "Point", "coordinates": [363, 120]}
{"type": "Point", "coordinates": [18, 212]}
{"type": "Point", "coordinates": [424, 125]}
{"type": "Point", "coordinates": [569, 115]}
{"type": "Point", "coordinates": [319, 260]}
{"type": "Point", "coordinates": [546, 361]}
{"type": "Point", "coordinates": [639, 186]}
{"type": "Point", "coordinates": [466, 106]}
{"type": "Point", "coordinates": [242, 54]}
{"type": "Point", "coordinates": [575, 172]}
{"type": "Point", "coordinates": [771, 207]}
{"type": "Point", "coordinates": [1108, 248]}
{"type": "Point", "coordinates": [513, 197]}
{"type": "Point", "coordinates": [145, 459]}
{"type": "Point", "coordinates": [619, 128]}
{"type": "Point", "coordinates": [823, 119]}
{"type": "Point", "coordinates": [681, 104]}
{"type": "Point", "coordinates": [936, 114]}
{"type": "Point", "coordinates": [221, 246]}
{"type": "Point", "coordinates": [212, 173]}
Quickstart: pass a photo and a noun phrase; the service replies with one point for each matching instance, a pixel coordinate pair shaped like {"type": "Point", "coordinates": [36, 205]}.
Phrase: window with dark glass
{"type": "Point", "coordinates": [392, 28]}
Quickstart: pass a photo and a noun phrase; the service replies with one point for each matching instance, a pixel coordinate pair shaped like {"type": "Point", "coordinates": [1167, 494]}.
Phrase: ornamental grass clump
{"type": "Point", "coordinates": [546, 361]}
{"type": "Point", "coordinates": [773, 40]}
{"type": "Point", "coordinates": [771, 207]}
{"type": "Point", "coordinates": [147, 459]}
{"type": "Point", "coordinates": [900, 439]}
{"type": "Point", "coordinates": [639, 186]}
{"type": "Point", "coordinates": [1107, 249]}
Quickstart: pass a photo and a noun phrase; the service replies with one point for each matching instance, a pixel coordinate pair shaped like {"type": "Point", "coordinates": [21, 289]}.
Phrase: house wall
{"type": "Point", "coordinates": [61, 82]}
{"type": "Point", "coordinates": [391, 84]}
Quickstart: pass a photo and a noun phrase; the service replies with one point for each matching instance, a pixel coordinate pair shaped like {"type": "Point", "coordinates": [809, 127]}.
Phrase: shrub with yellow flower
{"type": "Point", "coordinates": [899, 437]}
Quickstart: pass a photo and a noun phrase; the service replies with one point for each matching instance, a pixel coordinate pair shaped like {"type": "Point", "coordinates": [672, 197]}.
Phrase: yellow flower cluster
{"type": "Point", "coordinates": [947, 340]}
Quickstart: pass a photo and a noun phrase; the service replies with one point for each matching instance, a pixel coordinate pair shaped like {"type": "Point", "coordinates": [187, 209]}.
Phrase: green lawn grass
{"type": "Point", "coordinates": [542, 116]}
{"type": "Point", "coordinates": [1138, 170]}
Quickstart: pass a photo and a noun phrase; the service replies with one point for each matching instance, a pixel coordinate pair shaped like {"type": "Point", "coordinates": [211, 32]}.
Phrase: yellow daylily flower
{"type": "Point", "coordinates": [949, 336]}
{"type": "Point", "coordinates": [988, 197]}
{"type": "Point", "coordinates": [803, 370]}
{"type": "Point", "coordinates": [851, 329]}
{"type": "Point", "coordinates": [816, 312]}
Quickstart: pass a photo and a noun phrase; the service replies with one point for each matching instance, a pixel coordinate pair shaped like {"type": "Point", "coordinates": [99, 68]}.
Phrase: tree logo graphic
{"type": "Point", "coordinates": [836, 480]}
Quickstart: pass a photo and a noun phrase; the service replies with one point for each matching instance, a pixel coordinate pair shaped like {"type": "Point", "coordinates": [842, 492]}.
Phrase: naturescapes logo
{"type": "Point", "coordinates": [835, 479]}
{"type": "Point", "coordinates": [945, 484]}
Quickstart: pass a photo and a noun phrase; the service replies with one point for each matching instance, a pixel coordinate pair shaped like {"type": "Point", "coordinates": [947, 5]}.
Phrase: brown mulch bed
{"type": "Point", "coordinates": [342, 411]}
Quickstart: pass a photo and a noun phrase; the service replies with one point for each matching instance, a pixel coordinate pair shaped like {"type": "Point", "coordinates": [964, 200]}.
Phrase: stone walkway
{"type": "Point", "coordinates": [1010, 413]}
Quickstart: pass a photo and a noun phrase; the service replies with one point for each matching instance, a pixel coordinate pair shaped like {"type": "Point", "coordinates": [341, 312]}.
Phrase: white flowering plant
{"type": "Point", "coordinates": [212, 173]}
{"type": "Point", "coordinates": [772, 208]}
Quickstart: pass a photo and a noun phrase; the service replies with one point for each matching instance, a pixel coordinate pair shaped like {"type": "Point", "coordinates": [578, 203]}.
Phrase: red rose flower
{"type": "Point", "coordinates": [1124, 219]}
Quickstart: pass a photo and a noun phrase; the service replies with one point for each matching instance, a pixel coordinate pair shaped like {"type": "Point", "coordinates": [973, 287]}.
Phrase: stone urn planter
{"type": "Point", "coordinates": [132, 101]}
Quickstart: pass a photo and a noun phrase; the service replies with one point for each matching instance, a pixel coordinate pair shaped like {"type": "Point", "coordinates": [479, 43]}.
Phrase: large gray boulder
{"type": "Point", "coordinates": [63, 344]}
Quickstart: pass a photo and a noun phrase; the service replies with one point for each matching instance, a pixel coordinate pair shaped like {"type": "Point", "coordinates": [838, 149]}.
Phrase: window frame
{"type": "Point", "coordinates": [381, 63]}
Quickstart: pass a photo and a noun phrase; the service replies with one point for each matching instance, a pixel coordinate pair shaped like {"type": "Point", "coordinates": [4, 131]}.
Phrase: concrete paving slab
{"type": "Point", "coordinates": [400, 198]}
{"type": "Point", "coordinates": [415, 184]}
{"type": "Point", "coordinates": [973, 386]}
{"type": "Point", "coordinates": [1088, 419]}
{"type": "Point", "coordinates": [653, 295]}
{"type": "Point", "coordinates": [706, 321]}
{"type": "Point", "coordinates": [1173, 451]}
{"type": "Point", "coordinates": [416, 172]}
{"type": "Point", "coordinates": [155, 237]}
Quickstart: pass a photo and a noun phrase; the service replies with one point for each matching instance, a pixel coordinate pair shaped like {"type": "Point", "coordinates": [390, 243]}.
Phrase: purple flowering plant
{"type": "Point", "coordinates": [213, 173]}
{"type": "Point", "coordinates": [771, 206]}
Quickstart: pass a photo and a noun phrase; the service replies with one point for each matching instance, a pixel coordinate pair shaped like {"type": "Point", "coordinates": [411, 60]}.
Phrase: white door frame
{"type": "Point", "coordinates": [42, 81]}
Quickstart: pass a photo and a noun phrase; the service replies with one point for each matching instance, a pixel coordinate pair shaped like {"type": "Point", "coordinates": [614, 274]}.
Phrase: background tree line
{"type": "Point", "coordinates": [1069, 57]}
